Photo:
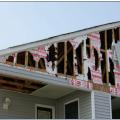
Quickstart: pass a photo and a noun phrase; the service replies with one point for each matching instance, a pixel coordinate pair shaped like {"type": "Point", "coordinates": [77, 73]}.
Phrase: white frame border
{"type": "Point", "coordinates": [45, 106]}
{"type": "Point", "coordinates": [73, 100]}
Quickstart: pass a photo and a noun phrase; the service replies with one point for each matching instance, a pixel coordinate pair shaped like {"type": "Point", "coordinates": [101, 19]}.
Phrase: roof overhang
{"type": "Point", "coordinates": [37, 76]}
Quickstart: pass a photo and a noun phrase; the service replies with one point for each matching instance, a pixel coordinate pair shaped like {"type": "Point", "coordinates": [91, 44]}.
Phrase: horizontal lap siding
{"type": "Point", "coordinates": [102, 105]}
{"type": "Point", "coordinates": [22, 105]}
{"type": "Point", "coordinates": [84, 104]}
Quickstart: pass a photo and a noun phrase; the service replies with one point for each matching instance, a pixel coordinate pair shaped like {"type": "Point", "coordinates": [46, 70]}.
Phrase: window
{"type": "Point", "coordinates": [44, 112]}
{"type": "Point", "coordinates": [71, 110]}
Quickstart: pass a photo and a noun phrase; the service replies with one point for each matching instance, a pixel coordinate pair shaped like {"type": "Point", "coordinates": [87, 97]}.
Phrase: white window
{"type": "Point", "coordinates": [71, 109]}
{"type": "Point", "coordinates": [44, 112]}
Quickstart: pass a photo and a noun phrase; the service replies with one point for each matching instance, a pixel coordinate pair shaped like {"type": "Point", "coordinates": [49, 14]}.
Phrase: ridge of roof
{"type": "Point", "coordinates": [60, 37]}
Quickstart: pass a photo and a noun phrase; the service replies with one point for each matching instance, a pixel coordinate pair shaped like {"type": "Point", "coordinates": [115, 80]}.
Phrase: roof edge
{"type": "Point", "coordinates": [62, 37]}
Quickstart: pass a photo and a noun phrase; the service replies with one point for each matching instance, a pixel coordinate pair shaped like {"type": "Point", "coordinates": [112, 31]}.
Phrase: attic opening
{"type": "Point", "coordinates": [21, 58]}
{"type": "Point", "coordinates": [109, 39]}
{"type": "Point", "coordinates": [96, 59]}
{"type": "Point", "coordinates": [103, 68]}
{"type": "Point", "coordinates": [79, 58]}
{"type": "Point", "coordinates": [116, 35]}
{"type": "Point", "coordinates": [111, 73]}
{"type": "Point", "coordinates": [51, 56]}
{"type": "Point", "coordinates": [31, 61]}
{"type": "Point", "coordinates": [60, 55]}
{"type": "Point", "coordinates": [102, 38]}
{"type": "Point", "coordinates": [41, 63]}
{"type": "Point", "coordinates": [88, 47]}
{"type": "Point", "coordinates": [69, 59]}
{"type": "Point", "coordinates": [10, 59]}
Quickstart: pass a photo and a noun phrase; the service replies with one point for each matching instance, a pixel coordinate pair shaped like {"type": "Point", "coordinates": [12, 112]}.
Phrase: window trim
{"type": "Point", "coordinates": [70, 101]}
{"type": "Point", "coordinates": [45, 106]}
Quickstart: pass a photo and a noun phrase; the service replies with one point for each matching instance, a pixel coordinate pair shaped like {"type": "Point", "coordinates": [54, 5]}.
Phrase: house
{"type": "Point", "coordinates": [70, 76]}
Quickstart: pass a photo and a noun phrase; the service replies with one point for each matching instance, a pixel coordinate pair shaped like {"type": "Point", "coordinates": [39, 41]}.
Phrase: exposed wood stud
{"type": "Point", "coordinates": [74, 54]}
{"type": "Point", "coordinates": [82, 58]}
{"type": "Point", "coordinates": [113, 35]}
{"type": "Point", "coordinates": [26, 58]}
{"type": "Point", "coordinates": [65, 58]}
{"type": "Point", "coordinates": [62, 57]}
{"type": "Point", "coordinates": [119, 34]}
{"type": "Point", "coordinates": [107, 75]}
{"type": "Point", "coordinates": [15, 59]}
{"type": "Point", "coordinates": [56, 51]}
{"type": "Point", "coordinates": [36, 65]}
{"type": "Point", "coordinates": [17, 84]}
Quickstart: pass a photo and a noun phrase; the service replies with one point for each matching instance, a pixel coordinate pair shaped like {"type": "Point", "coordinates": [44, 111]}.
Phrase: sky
{"type": "Point", "coordinates": [24, 22]}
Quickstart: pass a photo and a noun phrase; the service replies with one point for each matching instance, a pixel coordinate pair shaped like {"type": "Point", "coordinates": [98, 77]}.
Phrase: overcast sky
{"type": "Point", "coordinates": [23, 22]}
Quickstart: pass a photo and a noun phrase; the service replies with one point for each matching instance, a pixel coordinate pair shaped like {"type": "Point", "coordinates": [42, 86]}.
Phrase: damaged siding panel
{"type": "Point", "coordinates": [86, 57]}
{"type": "Point", "coordinates": [95, 58]}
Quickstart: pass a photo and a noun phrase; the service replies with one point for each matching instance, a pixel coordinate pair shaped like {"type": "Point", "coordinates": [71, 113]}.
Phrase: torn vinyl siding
{"type": "Point", "coordinates": [116, 60]}
{"type": "Point", "coordinates": [22, 105]}
{"type": "Point", "coordinates": [102, 105]}
{"type": "Point", "coordinates": [95, 63]}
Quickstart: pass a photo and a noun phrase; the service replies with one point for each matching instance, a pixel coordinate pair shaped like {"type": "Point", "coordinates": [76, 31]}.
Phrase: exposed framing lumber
{"type": "Point", "coordinates": [15, 59]}
{"type": "Point", "coordinates": [119, 33]}
{"type": "Point", "coordinates": [14, 89]}
{"type": "Point", "coordinates": [82, 48]}
{"type": "Point", "coordinates": [65, 58]}
{"type": "Point", "coordinates": [56, 56]}
{"type": "Point", "coordinates": [36, 65]}
{"type": "Point", "coordinates": [113, 35]}
{"type": "Point", "coordinates": [41, 62]}
{"type": "Point", "coordinates": [102, 50]}
{"type": "Point", "coordinates": [26, 58]}
{"type": "Point", "coordinates": [106, 67]}
{"type": "Point", "coordinates": [19, 64]}
{"type": "Point", "coordinates": [61, 58]}
{"type": "Point", "coordinates": [74, 55]}
{"type": "Point", "coordinates": [17, 84]}
{"type": "Point", "coordinates": [90, 46]}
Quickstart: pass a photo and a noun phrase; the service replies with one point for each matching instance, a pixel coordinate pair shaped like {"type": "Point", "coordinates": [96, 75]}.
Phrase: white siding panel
{"type": "Point", "coordinates": [22, 105]}
{"type": "Point", "coordinates": [84, 104]}
{"type": "Point", "coordinates": [102, 105]}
